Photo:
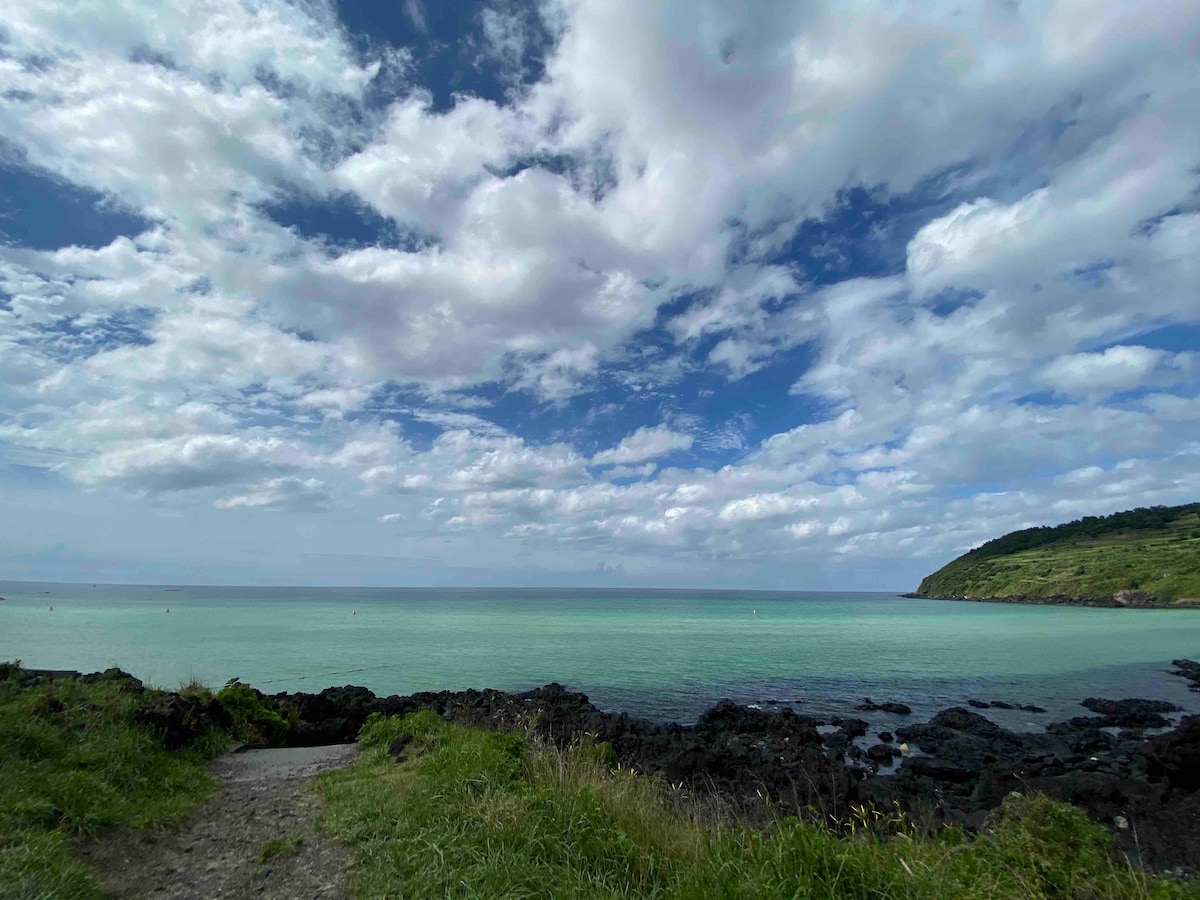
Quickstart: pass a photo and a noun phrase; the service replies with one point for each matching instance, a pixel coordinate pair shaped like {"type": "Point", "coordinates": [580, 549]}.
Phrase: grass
{"type": "Point", "coordinates": [253, 721]}
{"type": "Point", "coordinates": [433, 809]}
{"type": "Point", "coordinates": [441, 810]}
{"type": "Point", "coordinates": [280, 848]}
{"type": "Point", "coordinates": [1163, 562]}
{"type": "Point", "coordinates": [72, 762]}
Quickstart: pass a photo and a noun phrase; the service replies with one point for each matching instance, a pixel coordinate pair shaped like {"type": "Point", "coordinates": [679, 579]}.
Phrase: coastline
{"type": "Point", "coordinates": [1137, 602]}
{"type": "Point", "coordinates": [1129, 761]}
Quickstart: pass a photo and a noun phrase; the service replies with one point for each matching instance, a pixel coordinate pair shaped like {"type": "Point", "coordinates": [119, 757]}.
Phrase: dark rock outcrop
{"type": "Point", "coordinates": [891, 706]}
{"type": "Point", "coordinates": [181, 719]}
{"type": "Point", "coordinates": [1175, 756]}
{"type": "Point", "coordinates": [1130, 713]}
{"type": "Point", "coordinates": [1189, 669]}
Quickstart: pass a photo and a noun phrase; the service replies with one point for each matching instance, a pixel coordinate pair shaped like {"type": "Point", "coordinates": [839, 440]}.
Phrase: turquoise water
{"type": "Point", "coordinates": [665, 654]}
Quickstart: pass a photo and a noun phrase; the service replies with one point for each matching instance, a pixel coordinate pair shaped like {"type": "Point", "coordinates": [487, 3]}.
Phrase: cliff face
{"type": "Point", "coordinates": [1139, 558]}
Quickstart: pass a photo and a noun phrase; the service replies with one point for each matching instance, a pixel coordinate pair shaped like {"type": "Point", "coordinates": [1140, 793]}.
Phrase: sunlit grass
{"type": "Point", "coordinates": [454, 811]}
{"type": "Point", "coordinates": [72, 763]}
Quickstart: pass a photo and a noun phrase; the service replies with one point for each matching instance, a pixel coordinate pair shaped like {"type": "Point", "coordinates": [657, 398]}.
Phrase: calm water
{"type": "Point", "coordinates": [664, 654]}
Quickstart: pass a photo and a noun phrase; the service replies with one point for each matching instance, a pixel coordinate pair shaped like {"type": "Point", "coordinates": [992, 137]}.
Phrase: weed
{"type": "Point", "coordinates": [280, 848]}
{"type": "Point", "coordinates": [253, 720]}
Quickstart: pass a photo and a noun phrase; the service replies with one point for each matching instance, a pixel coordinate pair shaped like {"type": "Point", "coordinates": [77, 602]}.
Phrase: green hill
{"type": "Point", "coordinates": [1143, 557]}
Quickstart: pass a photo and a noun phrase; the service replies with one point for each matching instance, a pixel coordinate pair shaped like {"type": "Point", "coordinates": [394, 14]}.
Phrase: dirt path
{"type": "Point", "coordinates": [217, 851]}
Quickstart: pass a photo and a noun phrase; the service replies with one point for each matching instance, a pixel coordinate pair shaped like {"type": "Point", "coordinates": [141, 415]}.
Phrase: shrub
{"type": "Point", "coordinates": [253, 720]}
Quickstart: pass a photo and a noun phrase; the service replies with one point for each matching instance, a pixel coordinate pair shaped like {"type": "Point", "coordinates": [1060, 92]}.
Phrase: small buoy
{"type": "Point", "coordinates": [756, 612]}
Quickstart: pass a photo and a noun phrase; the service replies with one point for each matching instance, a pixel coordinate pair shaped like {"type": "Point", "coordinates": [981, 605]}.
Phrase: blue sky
{"type": "Point", "coordinates": [591, 293]}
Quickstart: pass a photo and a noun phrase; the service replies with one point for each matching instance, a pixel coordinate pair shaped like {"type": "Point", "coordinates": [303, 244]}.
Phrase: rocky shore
{"type": "Point", "coordinates": [1119, 600]}
{"type": "Point", "coordinates": [1124, 764]}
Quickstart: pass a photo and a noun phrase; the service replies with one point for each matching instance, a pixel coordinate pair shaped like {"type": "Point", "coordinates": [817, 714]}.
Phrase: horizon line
{"type": "Point", "coordinates": [477, 587]}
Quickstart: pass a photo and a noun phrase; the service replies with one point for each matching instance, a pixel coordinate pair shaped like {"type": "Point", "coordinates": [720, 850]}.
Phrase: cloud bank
{"type": "Point", "coordinates": [784, 296]}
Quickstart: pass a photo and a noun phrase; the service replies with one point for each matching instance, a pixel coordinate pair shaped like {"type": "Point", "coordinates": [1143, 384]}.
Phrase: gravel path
{"type": "Point", "coordinates": [217, 850]}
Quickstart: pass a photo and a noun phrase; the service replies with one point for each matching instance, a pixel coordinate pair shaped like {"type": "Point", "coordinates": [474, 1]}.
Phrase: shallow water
{"type": "Point", "coordinates": [662, 654]}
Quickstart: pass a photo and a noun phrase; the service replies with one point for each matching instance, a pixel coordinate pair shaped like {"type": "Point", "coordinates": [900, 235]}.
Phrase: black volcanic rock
{"type": "Point", "coordinates": [181, 719]}
{"type": "Point", "coordinates": [1188, 669]}
{"type": "Point", "coordinates": [1176, 755]}
{"type": "Point", "coordinates": [891, 706]}
{"type": "Point", "coordinates": [727, 715]}
{"type": "Point", "coordinates": [882, 753]}
{"type": "Point", "coordinates": [850, 726]}
{"type": "Point", "coordinates": [1128, 708]}
{"type": "Point", "coordinates": [938, 770]}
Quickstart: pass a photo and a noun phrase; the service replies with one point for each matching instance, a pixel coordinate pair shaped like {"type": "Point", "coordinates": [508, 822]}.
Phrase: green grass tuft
{"type": "Point", "coordinates": [253, 720]}
{"type": "Point", "coordinates": [472, 813]}
{"type": "Point", "coordinates": [280, 848]}
{"type": "Point", "coordinates": [72, 762]}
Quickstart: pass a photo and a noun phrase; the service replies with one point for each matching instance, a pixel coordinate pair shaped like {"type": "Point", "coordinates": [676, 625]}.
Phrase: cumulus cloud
{"type": "Point", "coordinates": [645, 443]}
{"type": "Point", "coordinates": [851, 284]}
{"type": "Point", "coordinates": [1118, 368]}
{"type": "Point", "coordinates": [191, 461]}
{"type": "Point", "coordinates": [289, 493]}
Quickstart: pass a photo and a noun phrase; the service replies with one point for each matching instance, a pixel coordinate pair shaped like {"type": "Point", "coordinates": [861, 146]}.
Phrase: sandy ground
{"type": "Point", "coordinates": [215, 852]}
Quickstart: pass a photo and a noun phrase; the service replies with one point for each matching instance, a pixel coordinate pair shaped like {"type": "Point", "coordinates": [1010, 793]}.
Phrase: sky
{"type": "Point", "coordinates": [589, 292]}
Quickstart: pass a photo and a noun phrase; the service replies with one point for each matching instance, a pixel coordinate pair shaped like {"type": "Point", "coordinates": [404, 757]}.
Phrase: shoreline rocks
{"type": "Point", "coordinates": [1126, 599]}
{"type": "Point", "coordinates": [891, 706]}
{"type": "Point", "coordinates": [1188, 670]}
{"type": "Point", "coordinates": [951, 769]}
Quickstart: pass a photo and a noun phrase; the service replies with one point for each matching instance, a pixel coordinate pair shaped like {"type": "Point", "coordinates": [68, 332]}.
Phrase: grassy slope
{"type": "Point", "coordinates": [1093, 558]}
{"type": "Point", "coordinates": [73, 762]}
{"type": "Point", "coordinates": [470, 813]}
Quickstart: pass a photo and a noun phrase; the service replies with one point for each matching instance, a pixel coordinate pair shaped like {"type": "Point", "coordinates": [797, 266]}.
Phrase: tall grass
{"type": "Point", "coordinates": [443, 810]}
{"type": "Point", "coordinates": [72, 762]}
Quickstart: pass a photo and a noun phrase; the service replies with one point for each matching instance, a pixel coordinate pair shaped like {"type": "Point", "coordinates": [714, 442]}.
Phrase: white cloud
{"type": "Point", "coordinates": [190, 461]}
{"type": "Point", "coordinates": [645, 443]}
{"type": "Point", "coordinates": [218, 359]}
{"type": "Point", "coordinates": [288, 493]}
{"type": "Point", "coordinates": [415, 10]}
{"type": "Point", "coordinates": [1117, 369]}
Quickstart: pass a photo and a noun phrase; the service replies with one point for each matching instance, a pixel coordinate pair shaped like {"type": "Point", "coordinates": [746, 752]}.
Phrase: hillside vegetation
{"type": "Point", "coordinates": [1143, 556]}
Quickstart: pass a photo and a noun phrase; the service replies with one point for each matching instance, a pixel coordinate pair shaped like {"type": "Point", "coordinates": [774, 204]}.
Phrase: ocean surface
{"type": "Point", "coordinates": [662, 654]}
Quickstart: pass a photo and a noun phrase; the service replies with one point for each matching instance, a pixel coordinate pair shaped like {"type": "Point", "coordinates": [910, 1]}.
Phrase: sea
{"type": "Point", "coordinates": [660, 654]}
